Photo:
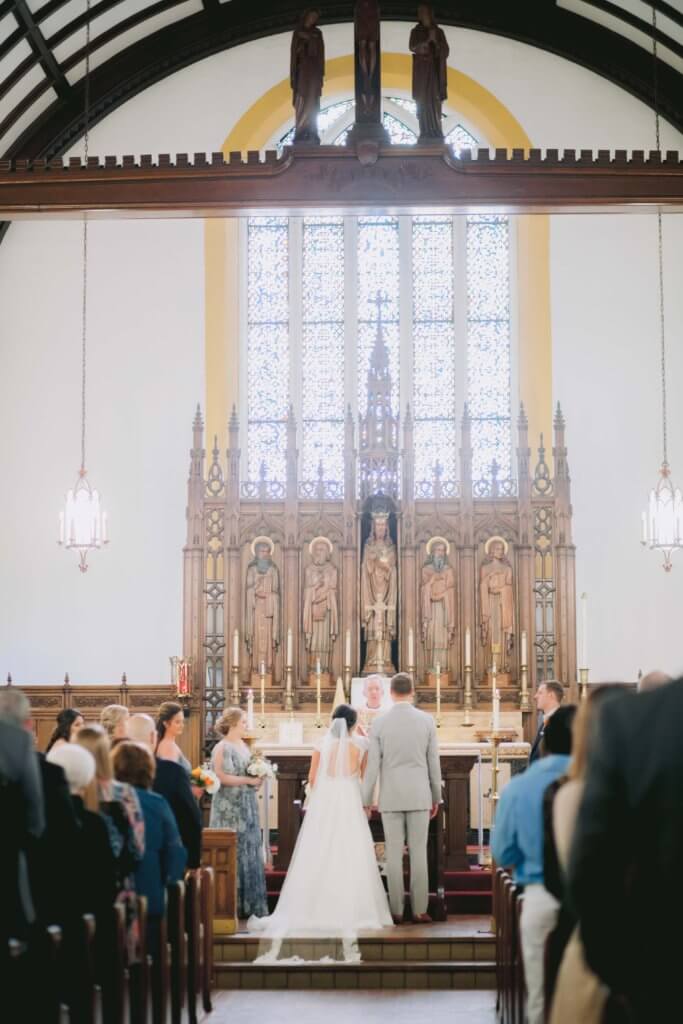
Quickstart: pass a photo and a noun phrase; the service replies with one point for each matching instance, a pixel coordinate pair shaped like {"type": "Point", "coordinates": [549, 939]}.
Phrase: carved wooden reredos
{"type": "Point", "coordinates": [532, 513]}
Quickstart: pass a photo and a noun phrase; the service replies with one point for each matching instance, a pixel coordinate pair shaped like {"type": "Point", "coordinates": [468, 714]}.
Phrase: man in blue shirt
{"type": "Point", "coordinates": [517, 843]}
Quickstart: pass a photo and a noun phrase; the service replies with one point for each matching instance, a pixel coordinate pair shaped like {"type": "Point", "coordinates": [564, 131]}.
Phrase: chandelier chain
{"type": "Point", "coordinates": [84, 309]}
{"type": "Point", "coordinates": [660, 240]}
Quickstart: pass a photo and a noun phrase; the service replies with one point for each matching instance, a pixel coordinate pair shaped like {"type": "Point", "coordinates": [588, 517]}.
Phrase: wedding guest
{"type": "Point", "coordinates": [69, 721]}
{"type": "Point", "coordinates": [165, 857]}
{"type": "Point", "coordinates": [119, 805]}
{"type": "Point", "coordinates": [235, 806]}
{"type": "Point", "coordinates": [171, 781]}
{"type": "Point", "coordinates": [23, 817]}
{"type": "Point", "coordinates": [114, 720]}
{"type": "Point", "coordinates": [652, 680]}
{"type": "Point", "coordinates": [549, 696]}
{"type": "Point", "coordinates": [170, 725]}
{"type": "Point", "coordinates": [518, 844]}
{"type": "Point", "coordinates": [627, 851]}
{"type": "Point", "coordinates": [50, 856]}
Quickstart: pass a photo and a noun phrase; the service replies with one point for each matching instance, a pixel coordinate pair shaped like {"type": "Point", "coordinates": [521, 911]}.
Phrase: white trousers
{"type": "Point", "coordinates": [539, 917]}
{"type": "Point", "coordinates": [412, 826]}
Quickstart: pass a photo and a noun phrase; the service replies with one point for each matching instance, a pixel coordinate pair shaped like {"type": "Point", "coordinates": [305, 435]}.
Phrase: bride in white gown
{"type": "Point", "coordinates": [333, 887]}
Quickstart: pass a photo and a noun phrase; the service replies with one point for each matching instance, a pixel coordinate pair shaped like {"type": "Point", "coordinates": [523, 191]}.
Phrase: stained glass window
{"type": "Point", "coordinates": [378, 297]}
{"type": "Point", "coordinates": [323, 347]}
{"type": "Point", "coordinates": [488, 343]}
{"type": "Point", "coordinates": [267, 345]}
{"type": "Point", "coordinates": [434, 351]}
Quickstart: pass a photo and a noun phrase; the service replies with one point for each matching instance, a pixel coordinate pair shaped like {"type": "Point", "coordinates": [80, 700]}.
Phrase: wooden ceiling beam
{"type": "Point", "coordinates": [404, 178]}
{"type": "Point", "coordinates": [42, 51]}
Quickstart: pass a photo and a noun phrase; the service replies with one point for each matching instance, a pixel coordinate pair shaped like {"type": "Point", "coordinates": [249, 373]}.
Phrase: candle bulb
{"type": "Point", "coordinates": [496, 711]}
{"type": "Point", "coordinates": [250, 710]}
{"type": "Point", "coordinates": [524, 650]}
{"type": "Point", "coordinates": [411, 649]}
{"type": "Point", "coordinates": [289, 646]}
{"type": "Point", "coordinates": [468, 648]}
{"type": "Point", "coordinates": [236, 648]}
{"type": "Point", "coordinates": [317, 667]}
{"type": "Point", "coordinates": [348, 648]}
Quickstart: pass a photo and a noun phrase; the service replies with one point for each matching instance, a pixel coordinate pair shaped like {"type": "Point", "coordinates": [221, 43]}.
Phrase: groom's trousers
{"type": "Point", "coordinates": [411, 827]}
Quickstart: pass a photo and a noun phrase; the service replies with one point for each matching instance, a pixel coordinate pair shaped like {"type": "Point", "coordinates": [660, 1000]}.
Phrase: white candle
{"type": "Point", "coordinates": [584, 631]}
{"type": "Point", "coordinates": [250, 710]}
{"type": "Point", "coordinates": [289, 647]}
{"type": "Point", "coordinates": [348, 649]}
{"type": "Point", "coordinates": [236, 648]}
{"type": "Point", "coordinates": [468, 648]}
{"type": "Point", "coordinates": [318, 695]}
{"type": "Point", "coordinates": [524, 650]}
{"type": "Point", "coordinates": [262, 669]}
{"type": "Point", "coordinates": [411, 651]}
{"type": "Point", "coordinates": [496, 710]}
{"type": "Point", "coordinates": [438, 690]}
{"type": "Point", "coordinates": [317, 669]}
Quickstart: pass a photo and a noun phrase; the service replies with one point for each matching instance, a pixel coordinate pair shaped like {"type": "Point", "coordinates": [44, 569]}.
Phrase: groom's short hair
{"type": "Point", "coordinates": [401, 684]}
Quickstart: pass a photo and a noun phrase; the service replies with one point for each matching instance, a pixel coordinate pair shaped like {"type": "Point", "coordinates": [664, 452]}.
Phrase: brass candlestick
{"type": "Point", "coordinates": [468, 696]}
{"type": "Point", "coordinates": [236, 685]}
{"type": "Point", "coordinates": [583, 683]}
{"type": "Point", "coordinates": [318, 698]}
{"type": "Point", "coordinates": [494, 797]}
{"type": "Point", "coordinates": [289, 684]}
{"type": "Point", "coordinates": [347, 682]}
{"type": "Point", "coordinates": [438, 695]}
{"type": "Point", "coordinates": [524, 699]}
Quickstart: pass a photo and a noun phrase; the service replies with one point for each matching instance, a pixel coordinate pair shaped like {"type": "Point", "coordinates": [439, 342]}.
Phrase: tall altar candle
{"type": "Point", "coordinates": [468, 648]}
{"type": "Point", "coordinates": [250, 710]}
{"type": "Point", "coordinates": [289, 647]}
{"type": "Point", "coordinates": [524, 650]}
{"type": "Point", "coordinates": [584, 631]}
{"type": "Point", "coordinates": [347, 656]}
{"type": "Point", "coordinates": [496, 710]}
{"type": "Point", "coordinates": [411, 649]}
{"type": "Point", "coordinates": [317, 669]}
{"type": "Point", "coordinates": [236, 648]}
{"type": "Point", "coordinates": [438, 690]}
{"type": "Point", "coordinates": [263, 689]}
{"type": "Point", "coordinates": [318, 696]}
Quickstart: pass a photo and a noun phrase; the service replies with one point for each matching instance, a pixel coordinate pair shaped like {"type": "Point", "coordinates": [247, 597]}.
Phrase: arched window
{"type": "Point", "coordinates": [316, 287]}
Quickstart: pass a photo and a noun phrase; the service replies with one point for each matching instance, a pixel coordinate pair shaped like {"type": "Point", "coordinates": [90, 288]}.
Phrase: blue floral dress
{"type": "Point", "coordinates": [236, 807]}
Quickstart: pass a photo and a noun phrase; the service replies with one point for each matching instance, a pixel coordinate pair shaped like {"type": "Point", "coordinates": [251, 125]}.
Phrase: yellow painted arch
{"type": "Point", "coordinates": [491, 119]}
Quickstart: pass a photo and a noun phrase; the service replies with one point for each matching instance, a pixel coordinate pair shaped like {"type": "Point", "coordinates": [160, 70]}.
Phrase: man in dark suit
{"type": "Point", "coordinates": [625, 878]}
{"type": "Point", "coordinates": [171, 781]}
{"type": "Point", "coordinates": [548, 697]}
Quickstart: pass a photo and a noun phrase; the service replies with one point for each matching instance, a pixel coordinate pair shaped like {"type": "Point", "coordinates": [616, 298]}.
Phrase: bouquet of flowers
{"type": "Point", "coordinates": [260, 768]}
{"type": "Point", "coordinates": [204, 778]}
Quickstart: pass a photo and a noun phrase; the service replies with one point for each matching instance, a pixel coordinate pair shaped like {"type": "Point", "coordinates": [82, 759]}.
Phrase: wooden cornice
{"type": "Point", "coordinates": [330, 177]}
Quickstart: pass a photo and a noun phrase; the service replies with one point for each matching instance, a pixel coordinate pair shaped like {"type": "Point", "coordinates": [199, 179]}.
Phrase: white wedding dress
{"type": "Point", "coordinates": [333, 887]}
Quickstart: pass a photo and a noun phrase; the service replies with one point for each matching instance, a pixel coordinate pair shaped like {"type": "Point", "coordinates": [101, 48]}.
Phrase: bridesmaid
{"type": "Point", "coordinates": [235, 806]}
{"type": "Point", "coordinates": [170, 724]}
{"type": "Point", "coordinates": [69, 722]}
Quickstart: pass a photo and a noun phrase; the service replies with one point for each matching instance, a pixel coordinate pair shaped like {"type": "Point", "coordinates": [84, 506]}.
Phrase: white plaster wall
{"type": "Point", "coordinates": [146, 360]}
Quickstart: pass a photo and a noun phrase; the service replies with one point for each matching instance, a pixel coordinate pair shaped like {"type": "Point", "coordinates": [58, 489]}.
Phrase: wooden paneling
{"type": "Point", "coordinates": [220, 853]}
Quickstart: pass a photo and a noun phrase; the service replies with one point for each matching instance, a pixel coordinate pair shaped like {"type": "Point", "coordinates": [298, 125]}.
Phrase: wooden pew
{"type": "Point", "coordinates": [161, 974]}
{"type": "Point", "coordinates": [177, 939]}
{"type": "Point", "coordinates": [195, 948]}
{"type": "Point", "coordinates": [139, 980]}
{"type": "Point", "coordinates": [219, 852]}
{"type": "Point", "coordinates": [207, 936]}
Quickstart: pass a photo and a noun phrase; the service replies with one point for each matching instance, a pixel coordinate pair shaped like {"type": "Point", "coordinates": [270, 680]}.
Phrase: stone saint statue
{"type": "Point", "coordinates": [321, 615]}
{"type": "Point", "coordinates": [430, 51]}
{"type": "Point", "coordinates": [496, 603]}
{"type": "Point", "coordinates": [378, 594]}
{"type": "Point", "coordinates": [367, 24]}
{"type": "Point", "coordinates": [307, 69]}
{"type": "Point", "coordinates": [262, 618]}
{"type": "Point", "coordinates": [437, 595]}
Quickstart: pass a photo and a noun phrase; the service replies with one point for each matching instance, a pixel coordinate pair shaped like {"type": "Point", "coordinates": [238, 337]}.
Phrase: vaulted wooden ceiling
{"type": "Point", "coordinates": [136, 43]}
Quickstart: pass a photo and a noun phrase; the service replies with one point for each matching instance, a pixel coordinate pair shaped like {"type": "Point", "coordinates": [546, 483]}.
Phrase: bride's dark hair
{"type": "Point", "coordinates": [347, 713]}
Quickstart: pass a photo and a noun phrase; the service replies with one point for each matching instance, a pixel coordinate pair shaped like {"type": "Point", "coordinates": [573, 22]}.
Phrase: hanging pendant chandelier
{"type": "Point", "coordinates": [83, 522]}
{"type": "Point", "coordinates": [661, 520]}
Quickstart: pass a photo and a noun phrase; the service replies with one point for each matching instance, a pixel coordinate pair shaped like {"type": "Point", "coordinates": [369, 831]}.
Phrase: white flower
{"type": "Point", "coordinates": [214, 784]}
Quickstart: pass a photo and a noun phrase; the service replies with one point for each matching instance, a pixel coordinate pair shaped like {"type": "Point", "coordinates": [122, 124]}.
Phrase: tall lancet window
{"type": "Point", "coordinates": [268, 346]}
{"type": "Point", "coordinates": [316, 289]}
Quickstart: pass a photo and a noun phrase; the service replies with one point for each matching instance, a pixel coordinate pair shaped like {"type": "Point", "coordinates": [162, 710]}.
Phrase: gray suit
{"type": "Point", "coordinates": [404, 756]}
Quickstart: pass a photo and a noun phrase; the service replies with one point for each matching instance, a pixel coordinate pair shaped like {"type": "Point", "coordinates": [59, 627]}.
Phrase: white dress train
{"type": "Point", "coordinates": [333, 887]}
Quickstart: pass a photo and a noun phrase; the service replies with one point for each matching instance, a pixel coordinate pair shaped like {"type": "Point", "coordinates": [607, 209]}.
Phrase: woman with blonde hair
{"type": "Point", "coordinates": [235, 806]}
{"type": "Point", "coordinates": [114, 720]}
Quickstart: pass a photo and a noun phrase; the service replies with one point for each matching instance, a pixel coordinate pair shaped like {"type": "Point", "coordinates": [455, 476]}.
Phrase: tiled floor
{"type": "Point", "coordinates": [342, 1007]}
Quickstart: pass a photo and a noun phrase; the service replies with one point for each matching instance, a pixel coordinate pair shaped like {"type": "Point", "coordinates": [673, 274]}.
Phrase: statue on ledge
{"type": "Point", "coordinates": [437, 595]}
{"type": "Point", "coordinates": [321, 614]}
{"type": "Point", "coordinates": [430, 51]}
{"type": "Point", "coordinates": [307, 70]}
{"type": "Point", "coordinates": [496, 604]}
{"type": "Point", "coordinates": [378, 596]}
{"type": "Point", "coordinates": [262, 611]}
{"type": "Point", "coordinates": [367, 26]}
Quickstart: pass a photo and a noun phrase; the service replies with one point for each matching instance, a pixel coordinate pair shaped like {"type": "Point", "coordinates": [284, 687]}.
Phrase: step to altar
{"type": "Point", "coordinates": [457, 954]}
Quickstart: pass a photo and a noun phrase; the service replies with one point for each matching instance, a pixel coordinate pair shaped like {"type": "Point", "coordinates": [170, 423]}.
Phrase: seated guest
{"type": "Point", "coordinates": [49, 856]}
{"type": "Point", "coordinates": [119, 805]}
{"type": "Point", "coordinates": [23, 818]}
{"type": "Point", "coordinates": [652, 680]}
{"type": "Point", "coordinates": [235, 806]}
{"type": "Point", "coordinates": [170, 725]}
{"type": "Point", "coordinates": [627, 851]}
{"type": "Point", "coordinates": [69, 721]}
{"type": "Point", "coordinates": [518, 844]}
{"type": "Point", "coordinates": [549, 695]}
{"type": "Point", "coordinates": [172, 782]}
{"type": "Point", "coordinates": [114, 720]}
{"type": "Point", "coordinates": [165, 856]}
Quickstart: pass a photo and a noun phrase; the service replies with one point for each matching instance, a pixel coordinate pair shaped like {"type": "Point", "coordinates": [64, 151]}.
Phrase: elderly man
{"type": "Point", "coordinates": [171, 781]}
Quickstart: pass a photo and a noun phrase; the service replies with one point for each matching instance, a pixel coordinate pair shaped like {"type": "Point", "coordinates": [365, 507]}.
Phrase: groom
{"type": "Point", "coordinates": [404, 754]}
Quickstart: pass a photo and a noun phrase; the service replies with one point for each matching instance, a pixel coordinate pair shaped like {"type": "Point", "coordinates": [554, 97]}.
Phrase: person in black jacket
{"type": "Point", "coordinates": [549, 696]}
{"type": "Point", "coordinates": [172, 782]}
{"type": "Point", "coordinates": [625, 866]}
